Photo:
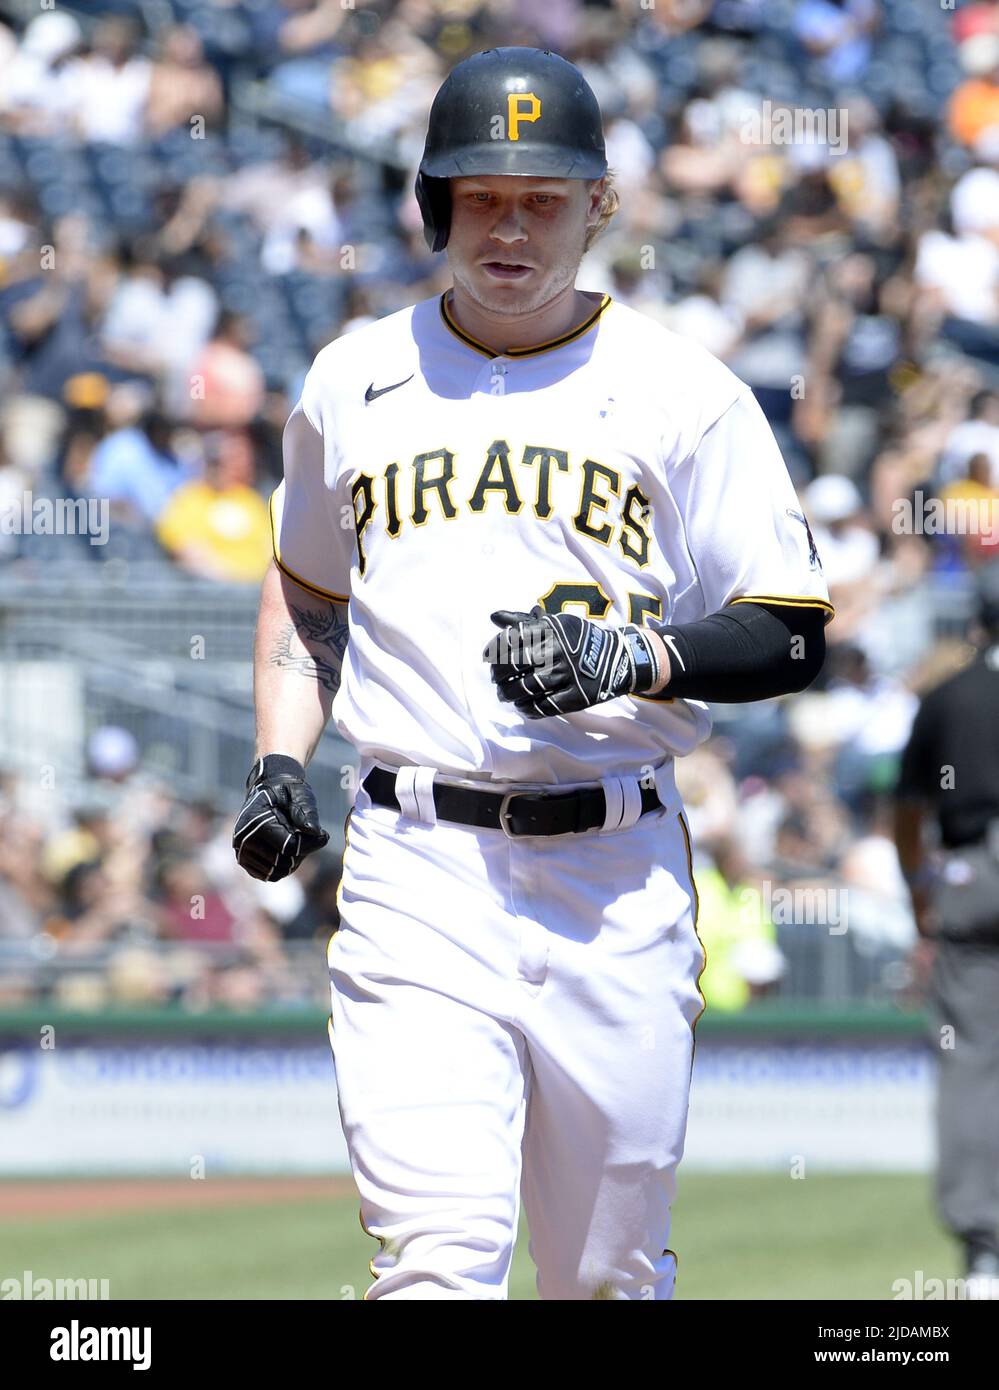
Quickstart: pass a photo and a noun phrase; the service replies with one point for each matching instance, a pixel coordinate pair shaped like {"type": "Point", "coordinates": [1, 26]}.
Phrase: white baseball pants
{"type": "Point", "coordinates": [514, 1019]}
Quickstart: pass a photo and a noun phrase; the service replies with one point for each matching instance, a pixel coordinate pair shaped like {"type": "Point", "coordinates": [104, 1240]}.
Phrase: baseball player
{"type": "Point", "coordinates": [523, 534]}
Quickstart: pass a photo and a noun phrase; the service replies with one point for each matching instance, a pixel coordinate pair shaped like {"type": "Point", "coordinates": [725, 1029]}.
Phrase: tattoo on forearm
{"type": "Point", "coordinates": [324, 633]}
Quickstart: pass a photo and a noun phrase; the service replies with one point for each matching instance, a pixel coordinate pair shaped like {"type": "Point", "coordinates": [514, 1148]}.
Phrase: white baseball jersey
{"type": "Point", "coordinates": [620, 471]}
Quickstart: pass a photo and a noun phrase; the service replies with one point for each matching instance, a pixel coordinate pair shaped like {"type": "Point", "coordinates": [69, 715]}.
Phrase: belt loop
{"type": "Point", "coordinates": [665, 775]}
{"type": "Point", "coordinates": [632, 802]}
{"type": "Point", "coordinates": [614, 798]}
{"type": "Point", "coordinates": [361, 794]}
{"type": "Point", "coordinates": [414, 788]}
{"type": "Point", "coordinates": [423, 786]}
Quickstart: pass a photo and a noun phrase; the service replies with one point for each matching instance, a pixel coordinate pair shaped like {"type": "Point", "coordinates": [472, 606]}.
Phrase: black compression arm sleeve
{"type": "Point", "coordinates": [748, 651]}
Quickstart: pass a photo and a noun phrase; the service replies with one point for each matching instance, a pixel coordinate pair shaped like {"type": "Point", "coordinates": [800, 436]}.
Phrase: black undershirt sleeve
{"type": "Point", "coordinates": [747, 651]}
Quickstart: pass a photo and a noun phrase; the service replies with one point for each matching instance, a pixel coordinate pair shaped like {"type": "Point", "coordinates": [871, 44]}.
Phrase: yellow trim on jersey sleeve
{"type": "Point", "coordinates": [789, 601]}
{"type": "Point", "coordinates": [297, 578]}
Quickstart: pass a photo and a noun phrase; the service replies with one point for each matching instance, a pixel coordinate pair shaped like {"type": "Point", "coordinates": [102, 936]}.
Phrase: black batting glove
{"type": "Point", "coordinates": [555, 663]}
{"type": "Point", "coordinates": [279, 823]}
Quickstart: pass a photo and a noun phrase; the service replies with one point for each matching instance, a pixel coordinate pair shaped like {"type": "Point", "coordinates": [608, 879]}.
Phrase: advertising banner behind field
{"type": "Point", "coordinates": [120, 1107]}
{"type": "Point", "coordinates": [811, 1105]}
{"type": "Point", "coordinates": [246, 1107]}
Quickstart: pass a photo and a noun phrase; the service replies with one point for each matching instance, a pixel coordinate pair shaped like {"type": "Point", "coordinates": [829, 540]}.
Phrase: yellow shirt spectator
{"type": "Point", "coordinates": [740, 941]}
{"type": "Point", "coordinates": [975, 522]}
{"type": "Point", "coordinates": [219, 527]}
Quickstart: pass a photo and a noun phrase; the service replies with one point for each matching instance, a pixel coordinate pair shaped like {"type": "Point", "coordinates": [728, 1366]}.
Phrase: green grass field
{"type": "Point", "coordinates": [737, 1237]}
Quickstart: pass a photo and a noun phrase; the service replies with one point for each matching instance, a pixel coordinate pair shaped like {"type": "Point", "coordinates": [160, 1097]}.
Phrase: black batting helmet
{"type": "Point", "coordinates": [507, 111]}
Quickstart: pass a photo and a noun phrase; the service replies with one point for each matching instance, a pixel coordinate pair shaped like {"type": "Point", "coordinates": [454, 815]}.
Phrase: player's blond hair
{"type": "Point", "coordinates": [609, 204]}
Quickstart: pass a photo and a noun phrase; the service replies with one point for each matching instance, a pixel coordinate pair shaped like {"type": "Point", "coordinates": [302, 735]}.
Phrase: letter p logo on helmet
{"type": "Point", "coordinates": [514, 114]}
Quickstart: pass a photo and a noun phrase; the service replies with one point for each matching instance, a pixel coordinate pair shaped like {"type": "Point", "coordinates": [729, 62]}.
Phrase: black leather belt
{"type": "Point", "coordinates": [515, 813]}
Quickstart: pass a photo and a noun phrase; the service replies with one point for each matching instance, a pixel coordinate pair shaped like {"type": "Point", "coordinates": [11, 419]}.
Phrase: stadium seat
{"type": "Point", "coordinates": [255, 144]}
{"type": "Point", "coordinates": [944, 76]}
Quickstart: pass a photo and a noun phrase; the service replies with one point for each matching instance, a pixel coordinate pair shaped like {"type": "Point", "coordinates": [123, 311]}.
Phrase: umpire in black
{"type": "Point", "coordinates": [950, 775]}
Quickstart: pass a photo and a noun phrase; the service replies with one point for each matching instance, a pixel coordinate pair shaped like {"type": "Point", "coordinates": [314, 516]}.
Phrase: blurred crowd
{"type": "Point", "coordinates": [131, 897]}
{"type": "Point", "coordinates": [810, 188]}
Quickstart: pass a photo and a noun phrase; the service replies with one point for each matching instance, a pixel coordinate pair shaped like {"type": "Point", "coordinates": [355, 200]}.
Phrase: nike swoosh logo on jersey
{"type": "Point", "coordinates": [371, 394]}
